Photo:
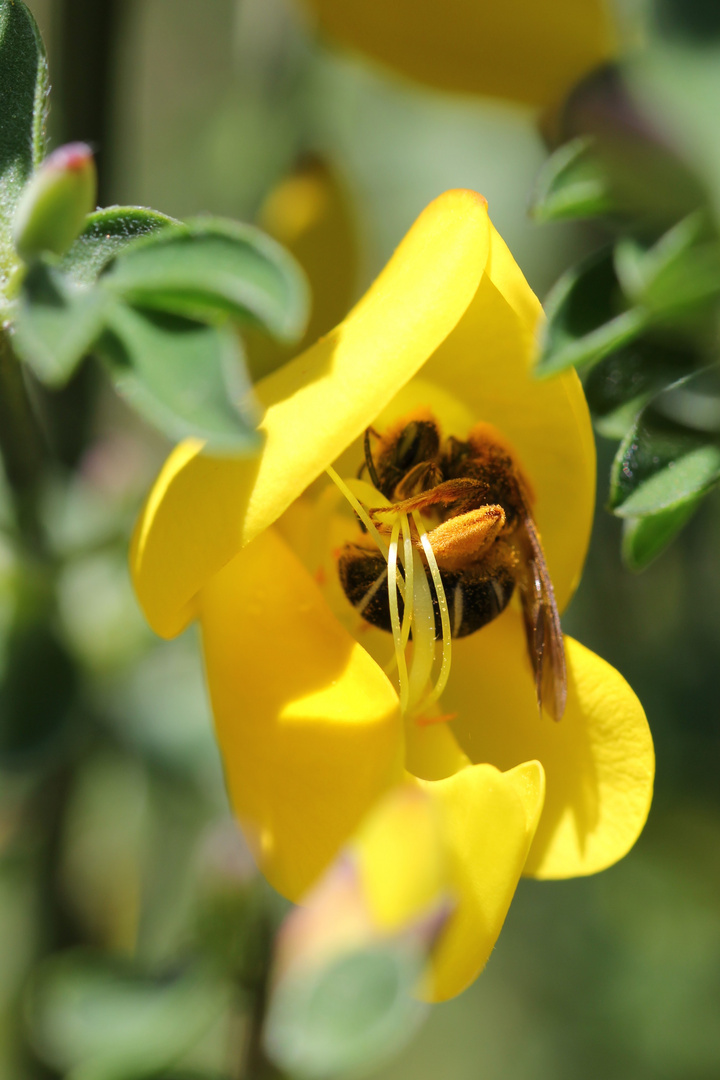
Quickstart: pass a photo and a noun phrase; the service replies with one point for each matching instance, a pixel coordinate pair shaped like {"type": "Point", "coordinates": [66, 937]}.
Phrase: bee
{"type": "Point", "coordinates": [478, 508]}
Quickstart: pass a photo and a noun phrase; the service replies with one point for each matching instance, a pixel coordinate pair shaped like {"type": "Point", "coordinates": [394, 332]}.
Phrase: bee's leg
{"type": "Point", "coordinates": [449, 491]}
{"type": "Point", "coordinates": [369, 460]}
{"type": "Point", "coordinates": [466, 537]}
{"type": "Point", "coordinates": [425, 474]}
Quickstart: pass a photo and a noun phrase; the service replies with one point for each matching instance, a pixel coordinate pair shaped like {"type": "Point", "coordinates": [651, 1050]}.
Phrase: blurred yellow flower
{"type": "Point", "coordinates": [310, 214]}
{"type": "Point", "coordinates": [309, 724]}
{"type": "Point", "coordinates": [530, 51]}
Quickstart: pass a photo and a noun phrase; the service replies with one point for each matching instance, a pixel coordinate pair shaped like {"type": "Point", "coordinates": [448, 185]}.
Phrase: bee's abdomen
{"type": "Point", "coordinates": [475, 596]}
{"type": "Point", "coordinates": [363, 576]}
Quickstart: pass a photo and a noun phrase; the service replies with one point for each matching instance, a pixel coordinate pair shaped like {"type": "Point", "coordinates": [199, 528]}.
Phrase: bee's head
{"type": "Point", "coordinates": [418, 441]}
{"type": "Point", "coordinates": [407, 444]}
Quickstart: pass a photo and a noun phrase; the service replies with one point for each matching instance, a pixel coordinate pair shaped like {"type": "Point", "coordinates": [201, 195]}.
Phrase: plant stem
{"type": "Point", "coordinates": [22, 445]}
{"type": "Point", "coordinates": [255, 1064]}
{"type": "Point", "coordinates": [24, 456]}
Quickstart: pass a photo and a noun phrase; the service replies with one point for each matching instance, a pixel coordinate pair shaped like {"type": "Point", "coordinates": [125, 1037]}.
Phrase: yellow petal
{"type": "Point", "coordinates": [431, 749]}
{"type": "Point", "coordinates": [307, 723]}
{"type": "Point", "coordinates": [598, 759]}
{"type": "Point", "coordinates": [487, 362]}
{"type": "Point", "coordinates": [530, 51]}
{"type": "Point", "coordinates": [401, 857]}
{"type": "Point", "coordinates": [204, 510]}
{"type": "Point", "coordinates": [488, 821]}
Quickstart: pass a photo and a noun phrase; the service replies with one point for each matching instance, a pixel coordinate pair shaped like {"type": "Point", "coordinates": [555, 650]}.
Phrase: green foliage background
{"type": "Point", "coordinates": [115, 838]}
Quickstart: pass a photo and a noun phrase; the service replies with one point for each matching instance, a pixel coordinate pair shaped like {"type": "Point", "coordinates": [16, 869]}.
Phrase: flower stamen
{"type": "Point", "coordinates": [397, 629]}
{"type": "Point", "coordinates": [359, 510]}
{"type": "Point", "coordinates": [409, 566]}
{"type": "Point", "coordinates": [444, 612]}
{"type": "Point", "coordinates": [414, 587]}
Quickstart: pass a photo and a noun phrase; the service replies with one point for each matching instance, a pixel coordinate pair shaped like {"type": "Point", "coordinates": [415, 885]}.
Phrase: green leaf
{"type": "Point", "coordinates": [660, 464]}
{"type": "Point", "coordinates": [107, 232]}
{"type": "Point", "coordinates": [686, 284]}
{"type": "Point", "coordinates": [644, 538]}
{"type": "Point", "coordinates": [585, 317]}
{"type": "Point", "coordinates": [346, 1015]}
{"type": "Point", "coordinates": [213, 267]}
{"type": "Point", "coordinates": [639, 265]}
{"type": "Point", "coordinates": [23, 104]}
{"type": "Point", "coordinates": [57, 323]}
{"type": "Point", "coordinates": [677, 275]}
{"type": "Point", "coordinates": [95, 1019]}
{"type": "Point", "coordinates": [619, 386]}
{"type": "Point", "coordinates": [695, 402]}
{"type": "Point", "coordinates": [182, 376]}
{"type": "Point", "coordinates": [573, 183]}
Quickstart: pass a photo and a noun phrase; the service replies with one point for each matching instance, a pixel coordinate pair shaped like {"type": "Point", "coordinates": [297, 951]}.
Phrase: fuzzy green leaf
{"type": "Point", "coordinates": [645, 538]}
{"type": "Point", "coordinates": [23, 105]}
{"type": "Point", "coordinates": [619, 386]}
{"type": "Point", "coordinates": [107, 232]}
{"type": "Point", "coordinates": [573, 183]}
{"type": "Point", "coordinates": [212, 268]}
{"type": "Point", "coordinates": [586, 318]}
{"type": "Point", "coordinates": [94, 1018]}
{"type": "Point", "coordinates": [640, 265]}
{"type": "Point", "coordinates": [57, 323]}
{"type": "Point", "coordinates": [346, 1015]}
{"type": "Point", "coordinates": [183, 376]}
{"type": "Point", "coordinates": [687, 283]}
{"type": "Point", "coordinates": [661, 463]}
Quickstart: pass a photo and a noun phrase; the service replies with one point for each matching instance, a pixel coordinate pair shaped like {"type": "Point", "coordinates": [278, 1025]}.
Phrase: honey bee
{"type": "Point", "coordinates": [477, 503]}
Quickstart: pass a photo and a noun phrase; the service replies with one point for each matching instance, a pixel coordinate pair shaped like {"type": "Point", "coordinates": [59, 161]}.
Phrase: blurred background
{"type": "Point", "coordinates": [131, 918]}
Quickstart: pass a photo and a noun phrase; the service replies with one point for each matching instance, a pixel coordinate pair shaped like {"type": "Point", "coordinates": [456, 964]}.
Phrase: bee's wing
{"type": "Point", "coordinates": [542, 624]}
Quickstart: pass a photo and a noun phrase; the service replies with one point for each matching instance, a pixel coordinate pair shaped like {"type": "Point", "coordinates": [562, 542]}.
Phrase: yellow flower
{"type": "Point", "coordinates": [308, 721]}
{"type": "Point", "coordinates": [530, 51]}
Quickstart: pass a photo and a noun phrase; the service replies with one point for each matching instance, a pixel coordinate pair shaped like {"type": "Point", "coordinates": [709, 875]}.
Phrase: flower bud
{"type": "Point", "coordinates": [55, 202]}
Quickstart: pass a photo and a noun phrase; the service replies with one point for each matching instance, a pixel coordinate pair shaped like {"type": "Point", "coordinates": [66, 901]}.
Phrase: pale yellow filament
{"type": "Point", "coordinates": [395, 616]}
{"type": "Point", "coordinates": [419, 612]}
{"type": "Point", "coordinates": [444, 612]}
{"type": "Point", "coordinates": [423, 632]}
{"type": "Point", "coordinates": [359, 510]}
{"type": "Point", "coordinates": [409, 564]}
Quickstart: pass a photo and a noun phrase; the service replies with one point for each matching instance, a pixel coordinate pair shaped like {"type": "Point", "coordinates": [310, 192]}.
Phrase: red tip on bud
{"type": "Point", "coordinates": [73, 156]}
{"type": "Point", "coordinates": [55, 202]}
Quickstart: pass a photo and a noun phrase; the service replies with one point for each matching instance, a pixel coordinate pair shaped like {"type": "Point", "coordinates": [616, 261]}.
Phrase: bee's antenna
{"type": "Point", "coordinates": [369, 460]}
